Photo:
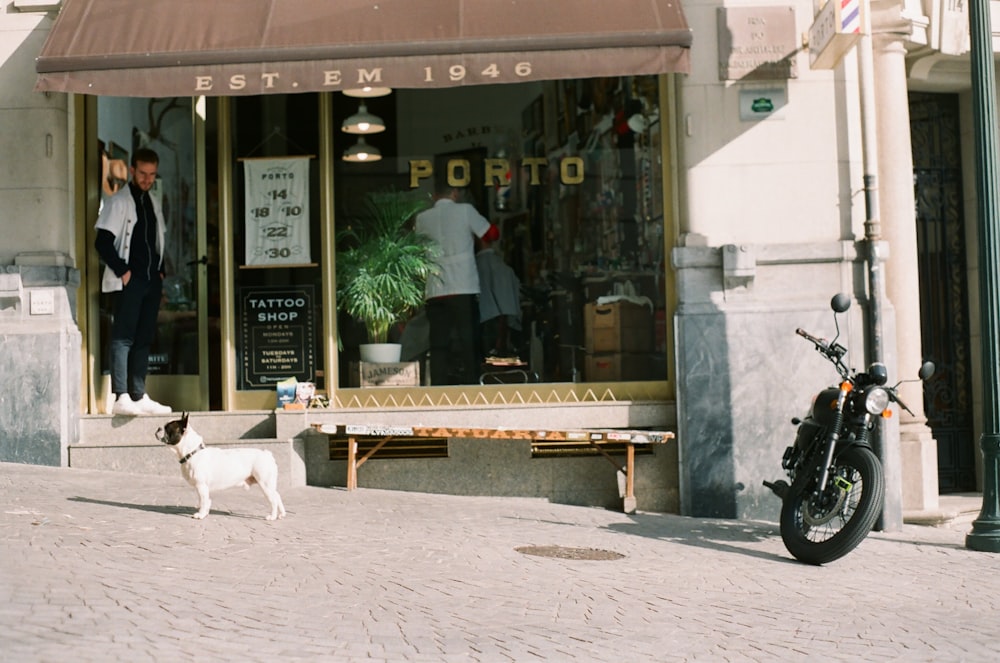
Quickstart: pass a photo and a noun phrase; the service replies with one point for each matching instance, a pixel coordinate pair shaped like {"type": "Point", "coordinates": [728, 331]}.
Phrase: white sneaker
{"type": "Point", "coordinates": [125, 405]}
{"type": "Point", "coordinates": [148, 406]}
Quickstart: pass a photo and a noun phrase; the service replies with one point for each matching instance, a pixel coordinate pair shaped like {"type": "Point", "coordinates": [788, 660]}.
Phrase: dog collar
{"type": "Point", "coordinates": [186, 458]}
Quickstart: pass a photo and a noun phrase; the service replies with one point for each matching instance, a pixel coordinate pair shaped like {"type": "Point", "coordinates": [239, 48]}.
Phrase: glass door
{"type": "Point", "coordinates": [179, 359]}
{"type": "Point", "coordinates": [271, 256]}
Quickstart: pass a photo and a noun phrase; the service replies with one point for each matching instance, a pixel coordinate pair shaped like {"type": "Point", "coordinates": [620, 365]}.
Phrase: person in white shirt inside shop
{"type": "Point", "coordinates": [450, 294]}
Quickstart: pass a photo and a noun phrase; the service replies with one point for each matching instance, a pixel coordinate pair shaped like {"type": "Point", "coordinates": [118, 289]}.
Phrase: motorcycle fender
{"type": "Point", "coordinates": [850, 442]}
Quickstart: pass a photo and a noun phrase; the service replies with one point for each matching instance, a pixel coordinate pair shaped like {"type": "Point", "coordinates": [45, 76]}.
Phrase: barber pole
{"type": "Point", "coordinates": [850, 16]}
{"type": "Point", "coordinates": [835, 30]}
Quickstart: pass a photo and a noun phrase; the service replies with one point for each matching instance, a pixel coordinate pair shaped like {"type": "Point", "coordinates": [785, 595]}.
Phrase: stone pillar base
{"type": "Point", "coordinates": [918, 449]}
{"type": "Point", "coordinates": [40, 357]}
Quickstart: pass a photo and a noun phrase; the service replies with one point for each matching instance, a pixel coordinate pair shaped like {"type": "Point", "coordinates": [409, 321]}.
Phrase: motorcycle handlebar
{"type": "Point", "coordinates": [818, 342]}
{"type": "Point", "coordinates": [831, 351]}
{"type": "Point", "coordinates": [804, 334]}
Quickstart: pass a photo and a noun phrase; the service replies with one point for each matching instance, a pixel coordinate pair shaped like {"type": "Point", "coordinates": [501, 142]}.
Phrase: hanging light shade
{"type": "Point", "coordinates": [362, 152]}
{"type": "Point", "coordinates": [368, 91]}
{"type": "Point", "coordinates": [363, 122]}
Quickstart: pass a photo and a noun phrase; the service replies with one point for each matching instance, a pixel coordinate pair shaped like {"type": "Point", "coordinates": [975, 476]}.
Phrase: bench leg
{"type": "Point", "coordinates": [352, 463]}
{"type": "Point", "coordinates": [629, 503]}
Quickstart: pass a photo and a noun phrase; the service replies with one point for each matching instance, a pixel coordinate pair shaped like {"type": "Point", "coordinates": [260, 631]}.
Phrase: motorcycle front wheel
{"type": "Point", "coordinates": [817, 529]}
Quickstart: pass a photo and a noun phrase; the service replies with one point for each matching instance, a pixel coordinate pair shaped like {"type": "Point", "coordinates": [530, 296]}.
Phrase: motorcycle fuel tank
{"type": "Point", "coordinates": [825, 406]}
{"type": "Point", "coordinates": [808, 431]}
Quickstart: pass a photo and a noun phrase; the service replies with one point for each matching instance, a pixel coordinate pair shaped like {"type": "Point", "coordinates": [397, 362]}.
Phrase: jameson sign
{"type": "Point", "coordinates": [278, 335]}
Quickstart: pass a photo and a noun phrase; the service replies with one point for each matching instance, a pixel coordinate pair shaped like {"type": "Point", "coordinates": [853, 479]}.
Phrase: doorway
{"type": "Point", "coordinates": [179, 365]}
{"type": "Point", "coordinates": [944, 297]}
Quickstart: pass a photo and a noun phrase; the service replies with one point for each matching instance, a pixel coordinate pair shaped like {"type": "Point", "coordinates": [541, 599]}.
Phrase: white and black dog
{"type": "Point", "coordinates": [208, 468]}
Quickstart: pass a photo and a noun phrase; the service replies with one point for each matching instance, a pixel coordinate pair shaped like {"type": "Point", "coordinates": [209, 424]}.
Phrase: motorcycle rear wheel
{"type": "Point", "coordinates": [821, 531]}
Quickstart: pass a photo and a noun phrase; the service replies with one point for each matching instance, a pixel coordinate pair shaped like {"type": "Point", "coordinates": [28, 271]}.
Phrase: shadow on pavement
{"type": "Point", "coordinates": [721, 535]}
{"type": "Point", "coordinates": [156, 508]}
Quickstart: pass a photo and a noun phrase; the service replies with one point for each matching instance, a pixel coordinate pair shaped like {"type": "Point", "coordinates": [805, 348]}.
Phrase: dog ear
{"type": "Point", "coordinates": [184, 420]}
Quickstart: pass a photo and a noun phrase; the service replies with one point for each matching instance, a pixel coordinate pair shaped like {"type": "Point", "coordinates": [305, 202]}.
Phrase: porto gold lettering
{"type": "Point", "coordinates": [571, 171]}
{"type": "Point", "coordinates": [420, 169]}
{"type": "Point", "coordinates": [533, 164]}
{"type": "Point", "coordinates": [496, 172]}
{"type": "Point", "coordinates": [459, 165]}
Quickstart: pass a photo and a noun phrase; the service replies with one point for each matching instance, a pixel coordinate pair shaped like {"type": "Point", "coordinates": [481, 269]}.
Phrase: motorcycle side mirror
{"type": "Point", "coordinates": [926, 370]}
{"type": "Point", "coordinates": [840, 303]}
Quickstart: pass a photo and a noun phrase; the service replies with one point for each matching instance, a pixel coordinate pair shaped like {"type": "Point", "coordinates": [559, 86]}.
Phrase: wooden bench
{"type": "Point", "coordinates": [598, 439]}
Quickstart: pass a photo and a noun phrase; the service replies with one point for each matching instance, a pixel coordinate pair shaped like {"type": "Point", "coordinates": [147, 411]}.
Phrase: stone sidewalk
{"type": "Point", "coordinates": [105, 566]}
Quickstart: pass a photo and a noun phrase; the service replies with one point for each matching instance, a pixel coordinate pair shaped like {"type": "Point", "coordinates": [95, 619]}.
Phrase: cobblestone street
{"type": "Point", "coordinates": [101, 566]}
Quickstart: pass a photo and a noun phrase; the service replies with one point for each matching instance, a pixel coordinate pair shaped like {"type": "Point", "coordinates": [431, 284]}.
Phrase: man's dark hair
{"type": "Point", "coordinates": [145, 155]}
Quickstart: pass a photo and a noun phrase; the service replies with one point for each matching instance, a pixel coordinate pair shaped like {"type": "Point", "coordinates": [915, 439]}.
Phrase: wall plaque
{"type": "Point", "coordinates": [757, 43]}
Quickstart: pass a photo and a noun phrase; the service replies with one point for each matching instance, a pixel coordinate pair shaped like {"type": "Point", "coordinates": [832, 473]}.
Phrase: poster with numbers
{"type": "Point", "coordinates": [277, 211]}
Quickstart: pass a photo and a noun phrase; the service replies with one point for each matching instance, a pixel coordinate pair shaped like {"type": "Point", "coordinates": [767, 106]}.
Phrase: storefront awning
{"type": "Point", "coordinates": [162, 48]}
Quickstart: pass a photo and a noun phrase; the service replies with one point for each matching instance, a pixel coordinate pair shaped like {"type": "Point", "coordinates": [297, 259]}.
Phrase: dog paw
{"type": "Point", "coordinates": [199, 515]}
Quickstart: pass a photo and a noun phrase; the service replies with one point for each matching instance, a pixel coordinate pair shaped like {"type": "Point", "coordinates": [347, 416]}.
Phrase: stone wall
{"type": "Point", "coordinates": [742, 371]}
{"type": "Point", "coordinates": [40, 362]}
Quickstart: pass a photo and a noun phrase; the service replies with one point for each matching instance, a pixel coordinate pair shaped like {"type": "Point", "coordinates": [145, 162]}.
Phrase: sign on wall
{"type": "Point", "coordinates": [757, 43]}
{"type": "Point", "coordinates": [277, 211]}
{"type": "Point", "coordinates": [278, 335]}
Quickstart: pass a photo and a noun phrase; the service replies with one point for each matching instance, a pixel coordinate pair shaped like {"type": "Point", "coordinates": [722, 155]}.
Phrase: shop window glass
{"type": "Point", "coordinates": [164, 125]}
{"type": "Point", "coordinates": [276, 241]}
{"type": "Point", "coordinates": [570, 172]}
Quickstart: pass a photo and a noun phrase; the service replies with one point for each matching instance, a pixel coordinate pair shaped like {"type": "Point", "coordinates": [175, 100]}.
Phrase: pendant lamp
{"type": "Point", "coordinates": [363, 122]}
{"type": "Point", "coordinates": [362, 152]}
{"type": "Point", "coordinates": [368, 91]}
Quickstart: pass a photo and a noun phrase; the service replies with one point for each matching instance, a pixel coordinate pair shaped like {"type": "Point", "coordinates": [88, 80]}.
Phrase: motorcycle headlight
{"type": "Point", "coordinates": [876, 401]}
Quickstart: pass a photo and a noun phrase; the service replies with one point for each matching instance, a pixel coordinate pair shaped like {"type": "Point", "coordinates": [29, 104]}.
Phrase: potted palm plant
{"type": "Point", "coordinates": [383, 265]}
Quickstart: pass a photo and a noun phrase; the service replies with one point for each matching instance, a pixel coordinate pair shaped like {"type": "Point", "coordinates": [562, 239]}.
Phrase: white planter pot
{"type": "Point", "coordinates": [380, 353]}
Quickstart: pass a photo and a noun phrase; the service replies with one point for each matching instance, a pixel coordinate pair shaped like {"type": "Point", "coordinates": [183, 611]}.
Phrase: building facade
{"type": "Point", "coordinates": [700, 185]}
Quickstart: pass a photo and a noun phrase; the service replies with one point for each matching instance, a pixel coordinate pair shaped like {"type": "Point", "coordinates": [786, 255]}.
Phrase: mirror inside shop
{"type": "Point", "coordinates": [569, 172]}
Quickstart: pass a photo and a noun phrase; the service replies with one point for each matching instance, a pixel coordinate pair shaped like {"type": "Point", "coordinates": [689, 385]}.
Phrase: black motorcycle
{"type": "Point", "coordinates": [837, 487]}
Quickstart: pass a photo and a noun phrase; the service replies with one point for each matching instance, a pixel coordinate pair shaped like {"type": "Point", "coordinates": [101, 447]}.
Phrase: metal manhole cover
{"type": "Point", "coordinates": [562, 552]}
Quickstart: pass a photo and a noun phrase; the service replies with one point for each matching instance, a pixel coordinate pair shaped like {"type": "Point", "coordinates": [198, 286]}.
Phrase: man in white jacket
{"type": "Point", "coordinates": [130, 238]}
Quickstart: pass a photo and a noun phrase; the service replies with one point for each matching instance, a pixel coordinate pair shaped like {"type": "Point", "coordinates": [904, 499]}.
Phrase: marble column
{"type": "Point", "coordinates": [918, 449]}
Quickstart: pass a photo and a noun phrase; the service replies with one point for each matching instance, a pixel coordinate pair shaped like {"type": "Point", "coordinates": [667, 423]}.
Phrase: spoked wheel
{"type": "Point", "coordinates": [822, 528]}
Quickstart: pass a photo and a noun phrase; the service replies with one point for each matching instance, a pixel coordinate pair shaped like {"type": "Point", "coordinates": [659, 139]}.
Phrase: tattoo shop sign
{"type": "Point", "coordinates": [278, 335]}
{"type": "Point", "coordinates": [277, 211]}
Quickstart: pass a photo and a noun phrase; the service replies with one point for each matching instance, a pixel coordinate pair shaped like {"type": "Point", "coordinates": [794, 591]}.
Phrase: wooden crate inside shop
{"type": "Point", "coordinates": [618, 327]}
